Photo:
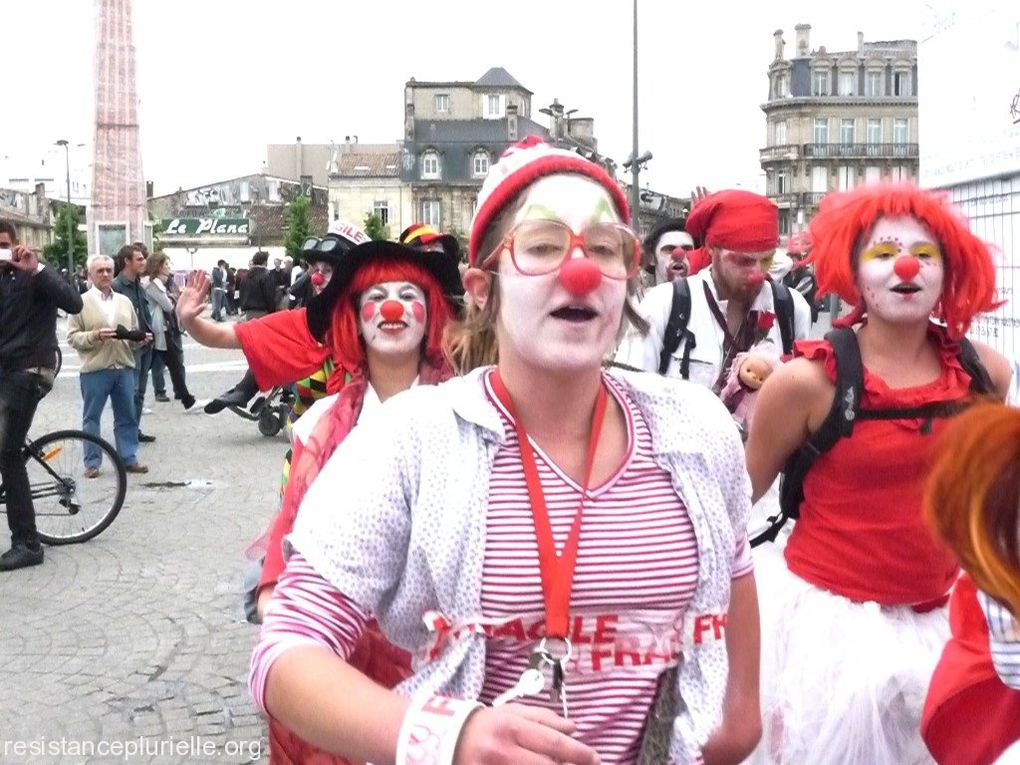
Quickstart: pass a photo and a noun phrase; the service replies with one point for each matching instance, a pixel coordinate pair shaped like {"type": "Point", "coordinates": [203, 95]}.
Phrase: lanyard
{"type": "Point", "coordinates": [557, 571]}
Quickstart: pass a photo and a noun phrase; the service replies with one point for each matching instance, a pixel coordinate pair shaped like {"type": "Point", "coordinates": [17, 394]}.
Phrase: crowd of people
{"type": "Point", "coordinates": [513, 526]}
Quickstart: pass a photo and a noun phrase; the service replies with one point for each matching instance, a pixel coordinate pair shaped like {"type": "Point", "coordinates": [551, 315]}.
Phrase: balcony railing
{"type": "Point", "coordinates": [782, 152]}
{"type": "Point", "coordinates": [865, 150]}
{"type": "Point", "coordinates": [805, 199]}
{"type": "Point", "coordinates": [811, 198]}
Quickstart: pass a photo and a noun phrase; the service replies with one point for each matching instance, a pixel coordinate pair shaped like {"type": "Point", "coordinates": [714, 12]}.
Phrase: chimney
{"type": "Point", "coordinates": [297, 158]}
{"type": "Point", "coordinates": [803, 40]}
{"type": "Point", "coordinates": [149, 190]}
{"type": "Point", "coordinates": [860, 42]}
{"type": "Point", "coordinates": [409, 121]}
{"type": "Point", "coordinates": [511, 123]}
{"type": "Point", "coordinates": [780, 45]}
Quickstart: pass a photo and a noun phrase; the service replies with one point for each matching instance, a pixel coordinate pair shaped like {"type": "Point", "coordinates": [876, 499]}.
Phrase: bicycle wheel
{"type": "Point", "coordinates": [69, 507]}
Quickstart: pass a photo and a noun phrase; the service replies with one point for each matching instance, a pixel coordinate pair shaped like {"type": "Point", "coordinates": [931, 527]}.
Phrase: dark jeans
{"type": "Point", "coordinates": [173, 360]}
{"type": "Point", "coordinates": [143, 362]}
{"type": "Point", "coordinates": [158, 378]}
{"type": "Point", "coordinates": [20, 393]}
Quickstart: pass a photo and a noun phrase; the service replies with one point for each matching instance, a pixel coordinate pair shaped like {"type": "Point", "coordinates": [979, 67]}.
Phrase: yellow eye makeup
{"type": "Point", "coordinates": [926, 252]}
{"type": "Point", "coordinates": [880, 252]}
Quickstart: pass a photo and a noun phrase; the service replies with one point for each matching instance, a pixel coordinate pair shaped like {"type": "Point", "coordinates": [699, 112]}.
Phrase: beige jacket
{"type": "Point", "coordinates": [96, 354]}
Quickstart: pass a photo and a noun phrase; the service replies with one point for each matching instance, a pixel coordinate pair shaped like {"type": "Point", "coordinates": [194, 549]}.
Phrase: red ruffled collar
{"type": "Point", "coordinates": [952, 385]}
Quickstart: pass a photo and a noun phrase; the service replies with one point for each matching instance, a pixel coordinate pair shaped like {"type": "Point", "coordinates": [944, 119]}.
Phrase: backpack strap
{"type": "Point", "coordinates": [980, 380]}
{"type": "Point", "coordinates": [676, 329]}
{"type": "Point", "coordinates": [782, 300]}
{"type": "Point", "coordinates": [838, 423]}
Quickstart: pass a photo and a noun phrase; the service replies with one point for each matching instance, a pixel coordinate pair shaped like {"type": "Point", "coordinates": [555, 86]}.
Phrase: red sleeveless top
{"type": "Point", "coordinates": [860, 532]}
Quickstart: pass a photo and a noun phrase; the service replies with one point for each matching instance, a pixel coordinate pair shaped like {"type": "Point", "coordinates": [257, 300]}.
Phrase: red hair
{"type": "Point", "coordinates": [973, 494]}
{"type": "Point", "coordinates": [845, 219]}
{"type": "Point", "coordinates": [347, 346]}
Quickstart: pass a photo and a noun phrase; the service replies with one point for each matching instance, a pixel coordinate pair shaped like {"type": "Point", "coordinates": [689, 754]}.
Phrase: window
{"type": "Point", "coordinates": [382, 209]}
{"type": "Point", "coordinates": [874, 83]}
{"type": "Point", "coordinates": [782, 85]}
{"type": "Point", "coordinates": [875, 130]}
{"type": "Point", "coordinates": [430, 213]}
{"type": "Point", "coordinates": [901, 84]}
{"type": "Point", "coordinates": [846, 131]}
{"type": "Point", "coordinates": [819, 180]}
{"type": "Point", "coordinates": [780, 133]}
{"type": "Point", "coordinates": [848, 83]}
{"type": "Point", "coordinates": [847, 177]}
{"type": "Point", "coordinates": [821, 130]}
{"type": "Point", "coordinates": [901, 132]}
{"type": "Point", "coordinates": [820, 82]}
{"type": "Point", "coordinates": [872, 175]}
{"type": "Point", "coordinates": [900, 173]}
{"type": "Point", "coordinates": [480, 164]}
{"type": "Point", "coordinates": [442, 103]}
{"type": "Point", "coordinates": [782, 182]}
{"type": "Point", "coordinates": [430, 165]}
{"type": "Point", "coordinates": [784, 222]}
{"type": "Point", "coordinates": [492, 105]}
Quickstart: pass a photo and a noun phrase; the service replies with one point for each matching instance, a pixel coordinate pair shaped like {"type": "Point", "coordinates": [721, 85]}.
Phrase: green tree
{"type": "Point", "coordinates": [68, 218]}
{"type": "Point", "coordinates": [297, 226]}
{"type": "Point", "coordinates": [375, 228]}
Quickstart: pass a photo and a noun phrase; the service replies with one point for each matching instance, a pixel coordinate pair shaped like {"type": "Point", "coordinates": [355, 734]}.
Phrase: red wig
{"type": "Point", "coordinates": [845, 220]}
{"type": "Point", "coordinates": [973, 493]}
{"type": "Point", "coordinates": [347, 346]}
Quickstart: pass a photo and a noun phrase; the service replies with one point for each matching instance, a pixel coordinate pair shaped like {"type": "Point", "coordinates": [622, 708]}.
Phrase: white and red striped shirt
{"type": "Point", "coordinates": [636, 572]}
{"type": "Point", "coordinates": [637, 569]}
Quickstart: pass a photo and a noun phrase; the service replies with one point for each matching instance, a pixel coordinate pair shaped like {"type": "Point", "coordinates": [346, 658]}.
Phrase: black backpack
{"type": "Point", "coordinates": [680, 315]}
{"type": "Point", "coordinates": [846, 411]}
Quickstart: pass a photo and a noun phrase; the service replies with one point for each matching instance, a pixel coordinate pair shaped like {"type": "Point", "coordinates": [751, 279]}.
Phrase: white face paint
{"type": "Point", "coordinates": [671, 256]}
{"type": "Point", "coordinates": [900, 270]}
{"type": "Point", "coordinates": [392, 318]}
{"type": "Point", "coordinates": [540, 322]}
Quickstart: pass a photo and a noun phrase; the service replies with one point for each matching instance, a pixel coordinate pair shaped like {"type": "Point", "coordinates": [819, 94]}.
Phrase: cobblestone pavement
{"type": "Point", "coordinates": [132, 647]}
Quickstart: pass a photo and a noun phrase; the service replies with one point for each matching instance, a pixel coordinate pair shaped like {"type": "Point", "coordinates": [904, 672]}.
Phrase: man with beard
{"type": "Point", "coordinates": [698, 325]}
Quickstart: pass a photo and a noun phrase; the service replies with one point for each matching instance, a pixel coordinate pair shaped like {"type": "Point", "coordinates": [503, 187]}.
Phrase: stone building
{"type": "Point", "coordinates": [836, 120]}
{"type": "Point", "coordinates": [31, 214]}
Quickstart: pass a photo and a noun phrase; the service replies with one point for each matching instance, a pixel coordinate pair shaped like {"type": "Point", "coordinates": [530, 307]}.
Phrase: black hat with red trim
{"type": "Point", "coordinates": [440, 263]}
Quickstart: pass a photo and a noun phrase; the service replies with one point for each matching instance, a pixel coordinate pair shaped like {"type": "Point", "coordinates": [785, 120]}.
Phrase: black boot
{"type": "Point", "coordinates": [239, 395]}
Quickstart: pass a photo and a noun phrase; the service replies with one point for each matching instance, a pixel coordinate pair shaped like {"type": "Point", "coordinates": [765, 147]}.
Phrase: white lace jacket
{"type": "Point", "coordinates": [396, 521]}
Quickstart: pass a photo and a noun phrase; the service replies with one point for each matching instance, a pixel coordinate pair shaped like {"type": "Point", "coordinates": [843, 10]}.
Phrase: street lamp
{"type": "Point", "coordinates": [635, 161]}
{"type": "Point", "coordinates": [70, 221]}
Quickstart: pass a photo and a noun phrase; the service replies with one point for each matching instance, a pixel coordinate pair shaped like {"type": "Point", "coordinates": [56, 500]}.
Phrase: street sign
{"type": "Point", "coordinates": [206, 226]}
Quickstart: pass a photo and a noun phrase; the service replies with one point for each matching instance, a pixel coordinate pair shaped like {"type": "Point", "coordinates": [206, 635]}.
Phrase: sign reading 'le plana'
{"type": "Point", "coordinates": [206, 226]}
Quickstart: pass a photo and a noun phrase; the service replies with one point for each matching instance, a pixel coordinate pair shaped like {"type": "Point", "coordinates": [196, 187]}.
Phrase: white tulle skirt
{"type": "Point", "coordinates": [842, 682]}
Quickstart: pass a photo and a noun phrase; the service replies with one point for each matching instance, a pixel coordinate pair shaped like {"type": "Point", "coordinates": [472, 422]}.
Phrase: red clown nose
{"type": "Point", "coordinates": [906, 267]}
{"type": "Point", "coordinates": [580, 276]}
{"type": "Point", "coordinates": [756, 279]}
{"type": "Point", "coordinates": [391, 310]}
{"type": "Point", "coordinates": [318, 279]}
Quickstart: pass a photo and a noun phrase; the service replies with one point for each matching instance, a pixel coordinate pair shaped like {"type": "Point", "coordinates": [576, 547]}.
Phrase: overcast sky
{"type": "Point", "coordinates": [219, 79]}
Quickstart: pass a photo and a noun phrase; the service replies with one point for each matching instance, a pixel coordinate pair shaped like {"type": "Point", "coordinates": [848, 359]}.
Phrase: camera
{"type": "Point", "coordinates": [6, 256]}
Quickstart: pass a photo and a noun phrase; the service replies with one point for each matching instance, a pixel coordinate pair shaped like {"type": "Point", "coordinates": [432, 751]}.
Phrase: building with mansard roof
{"type": "Point", "coordinates": [837, 119]}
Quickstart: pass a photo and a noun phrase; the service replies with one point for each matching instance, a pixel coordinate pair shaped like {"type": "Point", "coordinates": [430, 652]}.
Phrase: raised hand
{"type": "Point", "coordinates": [193, 298]}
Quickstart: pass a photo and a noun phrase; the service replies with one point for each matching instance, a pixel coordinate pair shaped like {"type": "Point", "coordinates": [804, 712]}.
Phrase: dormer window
{"type": "Point", "coordinates": [820, 82]}
{"type": "Point", "coordinates": [430, 165]}
{"type": "Point", "coordinates": [480, 164]}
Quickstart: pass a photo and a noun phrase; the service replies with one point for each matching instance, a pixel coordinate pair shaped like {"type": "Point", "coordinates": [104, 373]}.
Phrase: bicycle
{"type": "Point", "coordinates": [69, 507]}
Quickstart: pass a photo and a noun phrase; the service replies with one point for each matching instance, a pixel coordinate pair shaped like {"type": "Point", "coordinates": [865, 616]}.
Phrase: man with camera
{"type": "Point", "coordinates": [30, 294]}
{"type": "Point", "coordinates": [105, 334]}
